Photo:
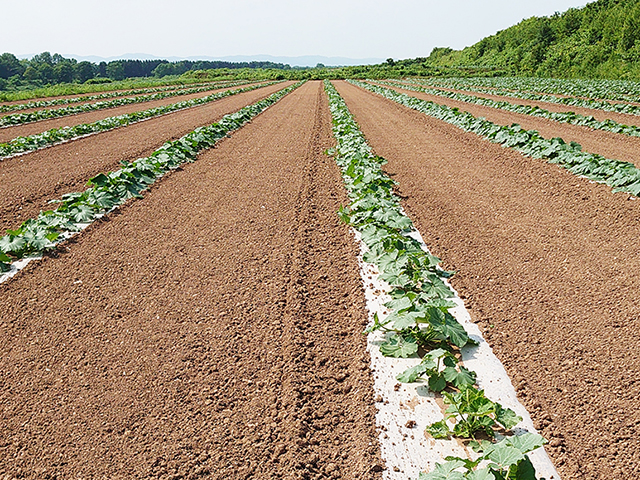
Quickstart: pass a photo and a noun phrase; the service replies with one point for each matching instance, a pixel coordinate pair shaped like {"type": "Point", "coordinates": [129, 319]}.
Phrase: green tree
{"type": "Point", "coordinates": [10, 66]}
{"type": "Point", "coordinates": [115, 70]}
{"type": "Point", "coordinates": [63, 72]}
{"type": "Point", "coordinates": [83, 71]}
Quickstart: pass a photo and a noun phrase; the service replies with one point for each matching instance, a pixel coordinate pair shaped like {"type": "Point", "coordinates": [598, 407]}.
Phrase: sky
{"type": "Point", "coordinates": [347, 28]}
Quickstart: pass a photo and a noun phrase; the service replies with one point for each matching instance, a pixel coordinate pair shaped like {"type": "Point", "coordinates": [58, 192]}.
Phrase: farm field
{"type": "Point", "coordinates": [211, 325]}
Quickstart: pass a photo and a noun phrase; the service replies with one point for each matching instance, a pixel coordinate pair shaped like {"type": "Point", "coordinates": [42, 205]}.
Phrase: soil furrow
{"type": "Point", "coordinates": [548, 264]}
{"type": "Point", "coordinates": [74, 104]}
{"type": "Point", "coordinates": [610, 145]}
{"type": "Point", "coordinates": [209, 330]}
{"type": "Point", "coordinates": [9, 133]}
{"type": "Point", "coordinates": [28, 182]}
{"type": "Point", "coordinates": [625, 119]}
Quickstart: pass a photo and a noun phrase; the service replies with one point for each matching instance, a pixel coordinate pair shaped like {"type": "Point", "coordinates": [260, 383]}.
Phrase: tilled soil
{"type": "Point", "coordinates": [209, 330]}
{"type": "Point", "coordinates": [610, 145]}
{"type": "Point", "coordinates": [55, 107]}
{"type": "Point", "coordinates": [28, 182]}
{"type": "Point", "coordinates": [624, 118]}
{"type": "Point", "coordinates": [549, 265]}
{"type": "Point", "coordinates": [9, 133]}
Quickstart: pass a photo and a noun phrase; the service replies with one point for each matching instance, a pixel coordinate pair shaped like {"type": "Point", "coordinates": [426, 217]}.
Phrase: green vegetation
{"type": "Point", "coordinates": [621, 176]}
{"type": "Point", "coordinates": [56, 135]}
{"type": "Point", "coordinates": [22, 118]}
{"type": "Point", "coordinates": [107, 191]}
{"type": "Point", "coordinates": [419, 321]}
{"type": "Point", "coordinates": [601, 40]}
{"type": "Point", "coordinates": [535, 111]}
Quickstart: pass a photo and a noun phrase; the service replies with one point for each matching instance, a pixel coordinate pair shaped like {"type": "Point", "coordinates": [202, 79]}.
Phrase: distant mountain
{"type": "Point", "coordinates": [301, 61]}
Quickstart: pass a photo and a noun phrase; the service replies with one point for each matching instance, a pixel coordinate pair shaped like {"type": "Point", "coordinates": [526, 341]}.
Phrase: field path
{"type": "Point", "coordinates": [9, 133]}
{"type": "Point", "coordinates": [209, 330]}
{"type": "Point", "coordinates": [610, 145]}
{"type": "Point", "coordinates": [29, 181]}
{"type": "Point", "coordinates": [549, 265]}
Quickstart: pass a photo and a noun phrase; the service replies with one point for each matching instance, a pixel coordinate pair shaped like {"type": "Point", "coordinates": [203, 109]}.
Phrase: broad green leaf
{"type": "Point", "coordinates": [526, 442]}
{"type": "Point", "coordinates": [507, 417]}
{"type": "Point", "coordinates": [12, 244]}
{"type": "Point", "coordinates": [399, 347]}
{"type": "Point", "coordinates": [523, 470]}
{"type": "Point", "coordinates": [481, 474]}
{"type": "Point", "coordinates": [446, 471]}
{"type": "Point", "coordinates": [437, 383]}
{"type": "Point", "coordinates": [439, 430]}
{"type": "Point", "coordinates": [461, 378]}
{"type": "Point", "coordinates": [504, 455]}
{"type": "Point", "coordinates": [412, 374]}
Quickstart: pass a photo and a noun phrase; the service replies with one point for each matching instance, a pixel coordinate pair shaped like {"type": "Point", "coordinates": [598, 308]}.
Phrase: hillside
{"type": "Point", "coordinates": [600, 40]}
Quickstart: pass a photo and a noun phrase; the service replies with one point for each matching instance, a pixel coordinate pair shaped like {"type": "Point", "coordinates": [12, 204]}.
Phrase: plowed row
{"type": "Point", "coordinates": [212, 328]}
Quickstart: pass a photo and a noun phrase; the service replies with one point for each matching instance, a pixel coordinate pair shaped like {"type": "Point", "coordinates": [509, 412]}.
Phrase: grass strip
{"type": "Point", "coordinates": [562, 117]}
{"type": "Point", "coordinates": [108, 190]}
{"type": "Point", "coordinates": [22, 118]}
{"type": "Point", "coordinates": [621, 176]}
{"type": "Point", "coordinates": [419, 322]}
{"type": "Point", "coordinates": [56, 135]}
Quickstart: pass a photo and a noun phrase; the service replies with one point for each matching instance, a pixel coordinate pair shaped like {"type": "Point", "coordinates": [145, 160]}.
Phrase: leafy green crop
{"type": "Point", "coordinates": [51, 137]}
{"type": "Point", "coordinates": [563, 117]}
{"type": "Point", "coordinates": [109, 190]}
{"type": "Point", "coordinates": [621, 176]}
{"type": "Point", "coordinates": [22, 118]}
{"type": "Point", "coordinates": [88, 98]}
{"type": "Point", "coordinates": [419, 320]}
{"type": "Point", "coordinates": [505, 460]}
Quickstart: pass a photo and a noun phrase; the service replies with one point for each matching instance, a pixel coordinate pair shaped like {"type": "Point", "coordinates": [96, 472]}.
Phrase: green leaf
{"type": "Point", "coordinates": [412, 374]}
{"type": "Point", "coordinates": [399, 347]}
{"type": "Point", "coordinates": [523, 470]}
{"type": "Point", "coordinates": [482, 474]}
{"type": "Point", "coordinates": [506, 417]}
{"type": "Point", "coordinates": [462, 378]}
{"type": "Point", "coordinates": [439, 430]}
{"type": "Point", "coordinates": [446, 471]}
{"type": "Point", "coordinates": [526, 442]}
{"type": "Point", "coordinates": [12, 244]}
{"type": "Point", "coordinates": [437, 383]}
{"type": "Point", "coordinates": [504, 455]}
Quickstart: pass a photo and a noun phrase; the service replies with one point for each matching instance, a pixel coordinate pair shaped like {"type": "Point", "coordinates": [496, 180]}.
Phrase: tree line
{"type": "Point", "coordinates": [47, 69]}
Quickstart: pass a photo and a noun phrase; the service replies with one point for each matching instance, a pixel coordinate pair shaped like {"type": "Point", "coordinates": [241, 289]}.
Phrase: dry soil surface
{"type": "Point", "coordinates": [549, 265]}
{"type": "Point", "coordinates": [610, 145]}
{"type": "Point", "coordinates": [210, 330]}
{"type": "Point", "coordinates": [28, 182]}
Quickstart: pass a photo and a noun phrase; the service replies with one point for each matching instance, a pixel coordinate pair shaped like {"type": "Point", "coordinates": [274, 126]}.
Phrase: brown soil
{"type": "Point", "coordinates": [549, 265]}
{"type": "Point", "coordinates": [610, 145]}
{"type": "Point", "coordinates": [28, 182]}
{"type": "Point", "coordinates": [9, 133]}
{"type": "Point", "coordinates": [78, 95]}
{"type": "Point", "coordinates": [55, 107]}
{"type": "Point", "coordinates": [209, 330]}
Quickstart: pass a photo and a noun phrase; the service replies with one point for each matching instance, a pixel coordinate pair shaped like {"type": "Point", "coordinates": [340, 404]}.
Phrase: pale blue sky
{"type": "Point", "coordinates": [349, 28]}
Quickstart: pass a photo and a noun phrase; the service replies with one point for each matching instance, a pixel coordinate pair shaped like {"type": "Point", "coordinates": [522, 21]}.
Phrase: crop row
{"type": "Point", "coordinates": [569, 101]}
{"type": "Point", "coordinates": [594, 89]}
{"type": "Point", "coordinates": [22, 118]}
{"type": "Point", "coordinates": [621, 176]}
{"type": "Point", "coordinates": [65, 101]}
{"type": "Point", "coordinates": [562, 117]}
{"type": "Point", "coordinates": [56, 135]}
{"type": "Point", "coordinates": [419, 318]}
{"type": "Point", "coordinates": [107, 191]}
